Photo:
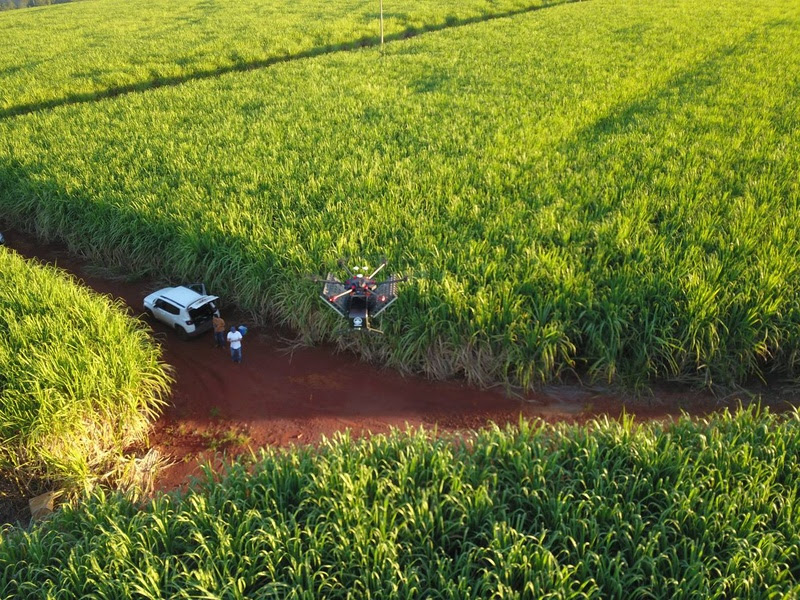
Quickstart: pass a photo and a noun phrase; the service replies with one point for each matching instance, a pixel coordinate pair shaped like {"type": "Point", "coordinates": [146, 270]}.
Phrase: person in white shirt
{"type": "Point", "coordinates": [235, 342]}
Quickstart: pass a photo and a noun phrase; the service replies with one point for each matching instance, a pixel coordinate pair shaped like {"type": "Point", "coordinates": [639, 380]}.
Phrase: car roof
{"type": "Point", "coordinates": [180, 295]}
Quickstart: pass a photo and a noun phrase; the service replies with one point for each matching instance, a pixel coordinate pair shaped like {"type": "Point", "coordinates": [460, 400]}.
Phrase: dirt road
{"type": "Point", "coordinates": [278, 398]}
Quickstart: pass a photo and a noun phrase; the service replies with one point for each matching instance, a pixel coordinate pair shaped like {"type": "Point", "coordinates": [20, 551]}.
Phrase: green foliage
{"type": "Point", "coordinates": [607, 186]}
{"type": "Point", "coordinates": [79, 379]}
{"type": "Point", "coordinates": [106, 46]}
{"type": "Point", "coordinates": [686, 510]}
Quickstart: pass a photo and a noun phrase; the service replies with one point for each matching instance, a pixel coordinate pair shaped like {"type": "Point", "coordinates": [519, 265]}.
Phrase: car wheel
{"type": "Point", "coordinates": [181, 332]}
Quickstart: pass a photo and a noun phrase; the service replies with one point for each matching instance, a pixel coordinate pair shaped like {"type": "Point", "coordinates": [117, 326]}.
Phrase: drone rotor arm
{"type": "Point", "coordinates": [345, 267]}
{"type": "Point", "coordinates": [376, 271]}
{"type": "Point", "coordinates": [384, 305]}
{"type": "Point", "coordinates": [337, 296]}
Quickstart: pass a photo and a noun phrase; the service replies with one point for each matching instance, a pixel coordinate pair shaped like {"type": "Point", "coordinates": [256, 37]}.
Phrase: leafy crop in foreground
{"type": "Point", "coordinates": [607, 186]}
{"type": "Point", "coordinates": [79, 379]}
{"type": "Point", "coordinates": [690, 510]}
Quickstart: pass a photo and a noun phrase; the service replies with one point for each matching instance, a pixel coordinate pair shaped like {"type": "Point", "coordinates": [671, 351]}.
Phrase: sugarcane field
{"type": "Point", "coordinates": [348, 299]}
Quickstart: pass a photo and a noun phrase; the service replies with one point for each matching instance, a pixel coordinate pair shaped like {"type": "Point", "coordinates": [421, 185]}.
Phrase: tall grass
{"type": "Point", "coordinates": [79, 379]}
{"type": "Point", "coordinates": [76, 52]}
{"type": "Point", "coordinates": [690, 510]}
{"type": "Point", "coordinates": [608, 186]}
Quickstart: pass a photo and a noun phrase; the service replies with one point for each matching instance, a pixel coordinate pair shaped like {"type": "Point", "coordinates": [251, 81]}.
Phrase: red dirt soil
{"type": "Point", "coordinates": [277, 398]}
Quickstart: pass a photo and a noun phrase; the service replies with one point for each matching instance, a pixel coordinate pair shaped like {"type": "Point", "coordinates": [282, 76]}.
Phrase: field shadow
{"type": "Point", "coordinates": [34, 203]}
{"type": "Point", "coordinates": [686, 87]}
{"type": "Point", "coordinates": [158, 81]}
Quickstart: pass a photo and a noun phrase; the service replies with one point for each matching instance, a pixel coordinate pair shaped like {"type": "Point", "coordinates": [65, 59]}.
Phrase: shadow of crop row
{"type": "Point", "coordinates": [173, 81]}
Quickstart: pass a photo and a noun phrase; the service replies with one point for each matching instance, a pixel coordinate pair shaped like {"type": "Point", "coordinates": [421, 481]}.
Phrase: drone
{"type": "Point", "coordinates": [360, 298]}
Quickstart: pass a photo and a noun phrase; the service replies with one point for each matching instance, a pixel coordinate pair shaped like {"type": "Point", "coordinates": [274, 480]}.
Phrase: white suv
{"type": "Point", "coordinates": [186, 309]}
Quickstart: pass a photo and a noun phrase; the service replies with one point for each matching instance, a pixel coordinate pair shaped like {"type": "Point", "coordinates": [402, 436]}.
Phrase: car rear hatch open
{"type": "Point", "coordinates": [202, 309]}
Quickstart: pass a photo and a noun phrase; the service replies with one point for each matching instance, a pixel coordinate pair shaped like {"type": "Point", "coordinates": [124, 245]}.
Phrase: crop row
{"type": "Point", "coordinates": [605, 186]}
{"type": "Point", "coordinates": [70, 53]}
{"type": "Point", "coordinates": [80, 380]}
{"type": "Point", "coordinates": [690, 510]}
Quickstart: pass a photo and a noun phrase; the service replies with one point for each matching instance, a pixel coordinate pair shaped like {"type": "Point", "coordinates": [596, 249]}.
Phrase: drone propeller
{"type": "Point", "coordinates": [337, 296]}
{"type": "Point", "coordinates": [375, 272]}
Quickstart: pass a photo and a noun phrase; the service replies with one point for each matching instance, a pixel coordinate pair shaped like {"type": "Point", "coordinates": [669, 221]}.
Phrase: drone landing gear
{"type": "Point", "coordinates": [371, 329]}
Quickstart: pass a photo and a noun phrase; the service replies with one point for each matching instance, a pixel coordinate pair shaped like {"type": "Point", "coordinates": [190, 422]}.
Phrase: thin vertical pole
{"type": "Point", "coordinates": [381, 23]}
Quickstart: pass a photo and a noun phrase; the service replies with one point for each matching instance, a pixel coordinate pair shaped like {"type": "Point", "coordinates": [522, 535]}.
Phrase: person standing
{"type": "Point", "coordinates": [235, 341]}
{"type": "Point", "coordinates": [219, 330]}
